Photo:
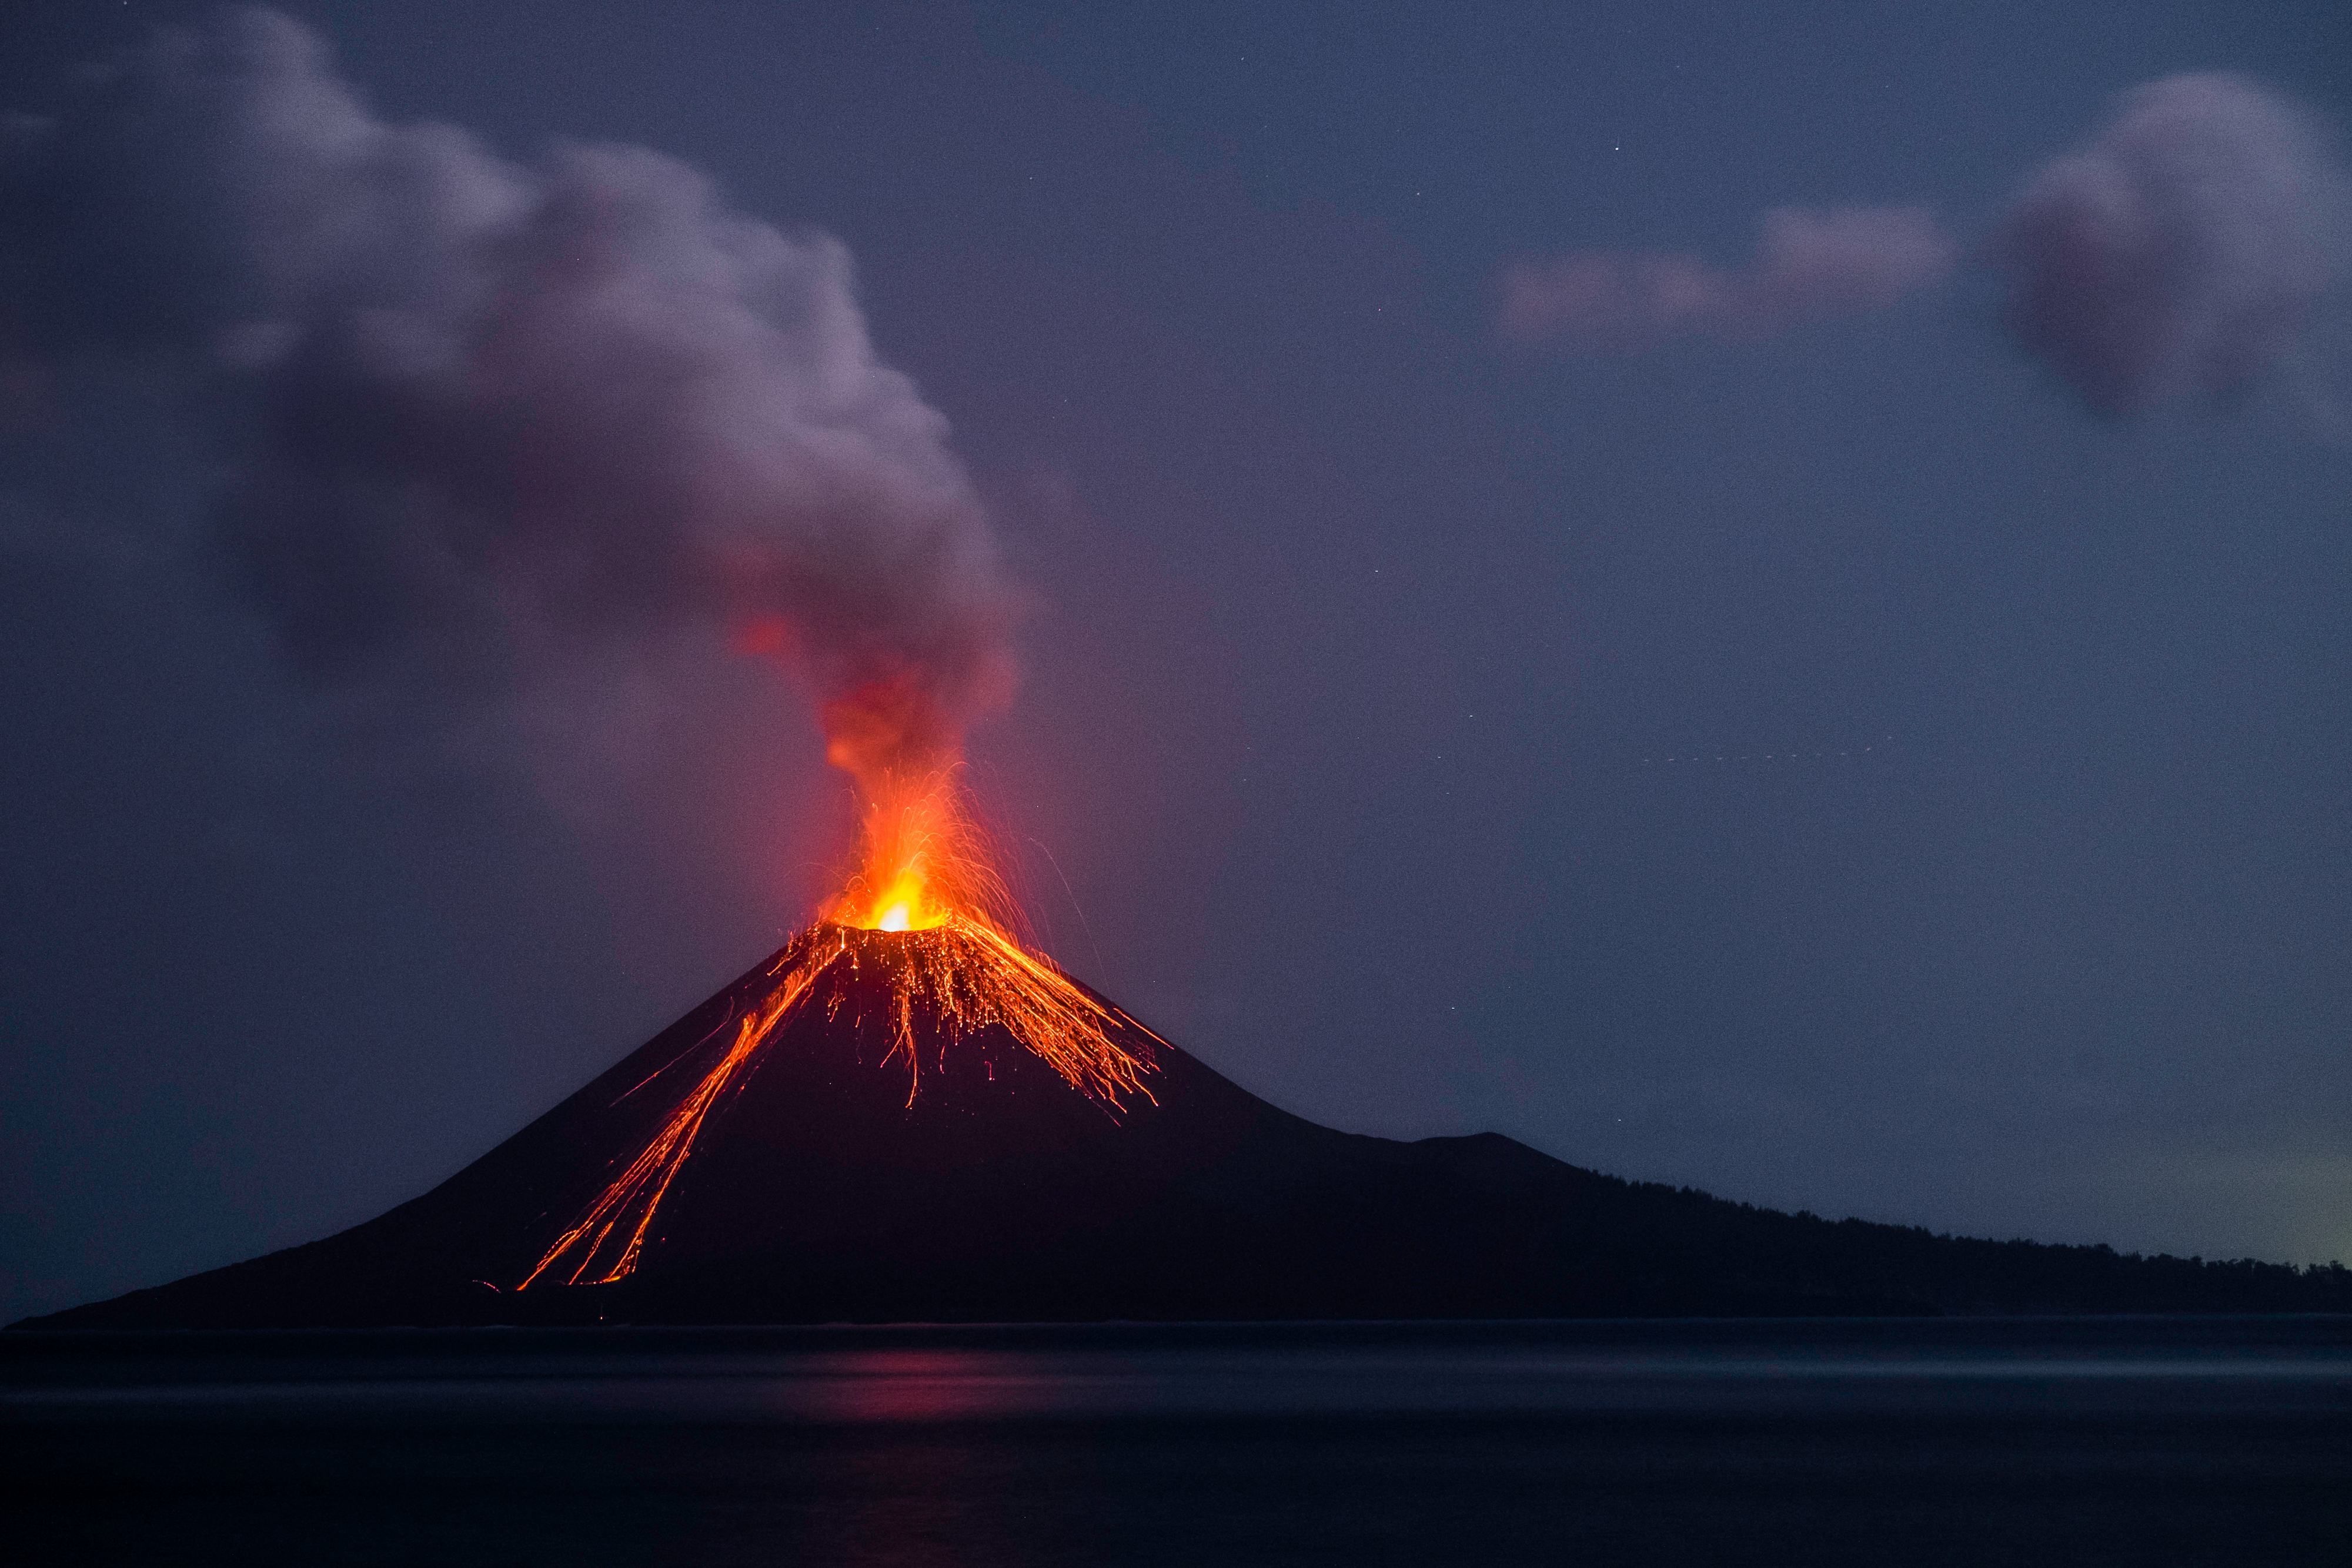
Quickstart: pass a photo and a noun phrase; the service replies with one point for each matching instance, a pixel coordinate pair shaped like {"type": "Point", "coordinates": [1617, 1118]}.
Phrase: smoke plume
{"type": "Point", "coordinates": [1810, 266]}
{"type": "Point", "coordinates": [462, 396]}
{"type": "Point", "coordinates": [2181, 250]}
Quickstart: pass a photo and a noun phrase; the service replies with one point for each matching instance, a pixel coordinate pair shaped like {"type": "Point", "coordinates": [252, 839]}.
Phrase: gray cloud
{"type": "Point", "coordinates": [462, 396]}
{"type": "Point", "coordinates": [1809, 266]}
{"type": "Point", "coordinates": [2182, 249]}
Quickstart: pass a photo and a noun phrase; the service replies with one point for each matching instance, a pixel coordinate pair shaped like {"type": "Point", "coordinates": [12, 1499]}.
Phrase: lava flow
{"type": "Point", "coordinates": [952, 968]}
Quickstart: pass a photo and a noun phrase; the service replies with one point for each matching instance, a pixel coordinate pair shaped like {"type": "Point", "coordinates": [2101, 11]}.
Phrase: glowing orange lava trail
{"type": "Point", "coordinates": [650, 1173]}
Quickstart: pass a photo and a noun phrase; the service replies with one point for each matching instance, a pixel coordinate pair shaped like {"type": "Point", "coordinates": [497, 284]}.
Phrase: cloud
{"type": "Point", "coordinates": [2182, 250]}
{"type": "Point", "coordinates": [465, 399]}
{"type": "Point", "coordinates": [1810, 266]}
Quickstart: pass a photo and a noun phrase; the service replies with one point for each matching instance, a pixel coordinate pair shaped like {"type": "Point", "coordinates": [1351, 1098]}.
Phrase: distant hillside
{"type": "Point", "coordinates": [1961, 1275]}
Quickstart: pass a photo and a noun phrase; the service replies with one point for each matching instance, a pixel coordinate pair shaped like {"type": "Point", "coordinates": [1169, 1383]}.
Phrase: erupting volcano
{"type": "Point", "coordinates": [576, 419]}
{"type": "Point", "coordinates": [916, 948]}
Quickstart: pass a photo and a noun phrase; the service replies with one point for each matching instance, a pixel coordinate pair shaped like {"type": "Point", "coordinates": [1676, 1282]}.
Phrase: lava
{"type": "Point", "coordinates": [926, 879]}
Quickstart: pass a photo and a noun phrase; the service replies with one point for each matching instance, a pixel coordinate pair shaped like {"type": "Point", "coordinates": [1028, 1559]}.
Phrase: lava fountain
{"type": "Point", "coordinates": [927, 913]}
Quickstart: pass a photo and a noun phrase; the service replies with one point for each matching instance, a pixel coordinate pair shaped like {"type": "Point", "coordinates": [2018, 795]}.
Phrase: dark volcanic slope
{"type": "Point", "coordinates": [816, 1193]}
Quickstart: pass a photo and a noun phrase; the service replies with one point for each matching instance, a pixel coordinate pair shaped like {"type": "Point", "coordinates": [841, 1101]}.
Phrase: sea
{"type": "Point", "coordinates": [2069, 1441]}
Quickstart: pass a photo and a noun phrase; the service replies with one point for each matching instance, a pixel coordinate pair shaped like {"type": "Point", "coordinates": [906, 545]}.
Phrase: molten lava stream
{"type": "Point", "coordinates": [927, 879]}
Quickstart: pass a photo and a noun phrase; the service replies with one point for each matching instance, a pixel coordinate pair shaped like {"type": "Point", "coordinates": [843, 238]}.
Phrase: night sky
{"type": "Point", "coordinates": [1822, 750]}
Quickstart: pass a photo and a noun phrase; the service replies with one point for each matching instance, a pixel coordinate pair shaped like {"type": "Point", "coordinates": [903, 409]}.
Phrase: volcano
{"type": "Point", "coordinates": [870, 1160]}
{"type": "Point", "coordinates": [881, 1152]}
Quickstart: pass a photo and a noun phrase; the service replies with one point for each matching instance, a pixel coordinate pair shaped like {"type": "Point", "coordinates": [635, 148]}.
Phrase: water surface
{"type": "Point", "coordinates": [2075, 1441]}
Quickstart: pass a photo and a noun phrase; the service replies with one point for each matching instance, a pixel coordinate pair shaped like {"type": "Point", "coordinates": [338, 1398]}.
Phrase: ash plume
{"type": "Point", "coordinates": [463, 400]}
{"type": "Point", "coordinates": [1809, 266]}
{"type": "Point", "coordinates": [2182, 249]}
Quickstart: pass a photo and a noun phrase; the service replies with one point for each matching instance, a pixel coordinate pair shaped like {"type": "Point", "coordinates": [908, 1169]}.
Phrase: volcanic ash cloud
{"type": "Point", "coordinates": [1809, 266]}
{"type": "Point", "coordinates": [2182, 250]}
{"type": "Point", "coordinates": [463, 398]}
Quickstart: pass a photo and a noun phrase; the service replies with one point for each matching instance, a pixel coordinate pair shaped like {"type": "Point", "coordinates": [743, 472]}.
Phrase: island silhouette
{"type": "Point", "coordinates": [870, 1157]}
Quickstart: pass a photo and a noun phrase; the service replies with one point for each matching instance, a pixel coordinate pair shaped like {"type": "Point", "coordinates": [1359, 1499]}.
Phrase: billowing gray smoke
{"type": "Point", "coordinates": [582, 397]}
{"type": "Point", "coordinates": [2182, 250]}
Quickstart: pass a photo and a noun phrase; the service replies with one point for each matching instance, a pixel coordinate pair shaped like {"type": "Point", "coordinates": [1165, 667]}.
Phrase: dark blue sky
{"type": "Point", "coordinates": [1360, 647]}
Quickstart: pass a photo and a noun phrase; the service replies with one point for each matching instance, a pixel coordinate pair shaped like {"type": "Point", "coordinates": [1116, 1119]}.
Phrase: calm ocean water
{"type": "Point", "coordinates": [1879, 1442]}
